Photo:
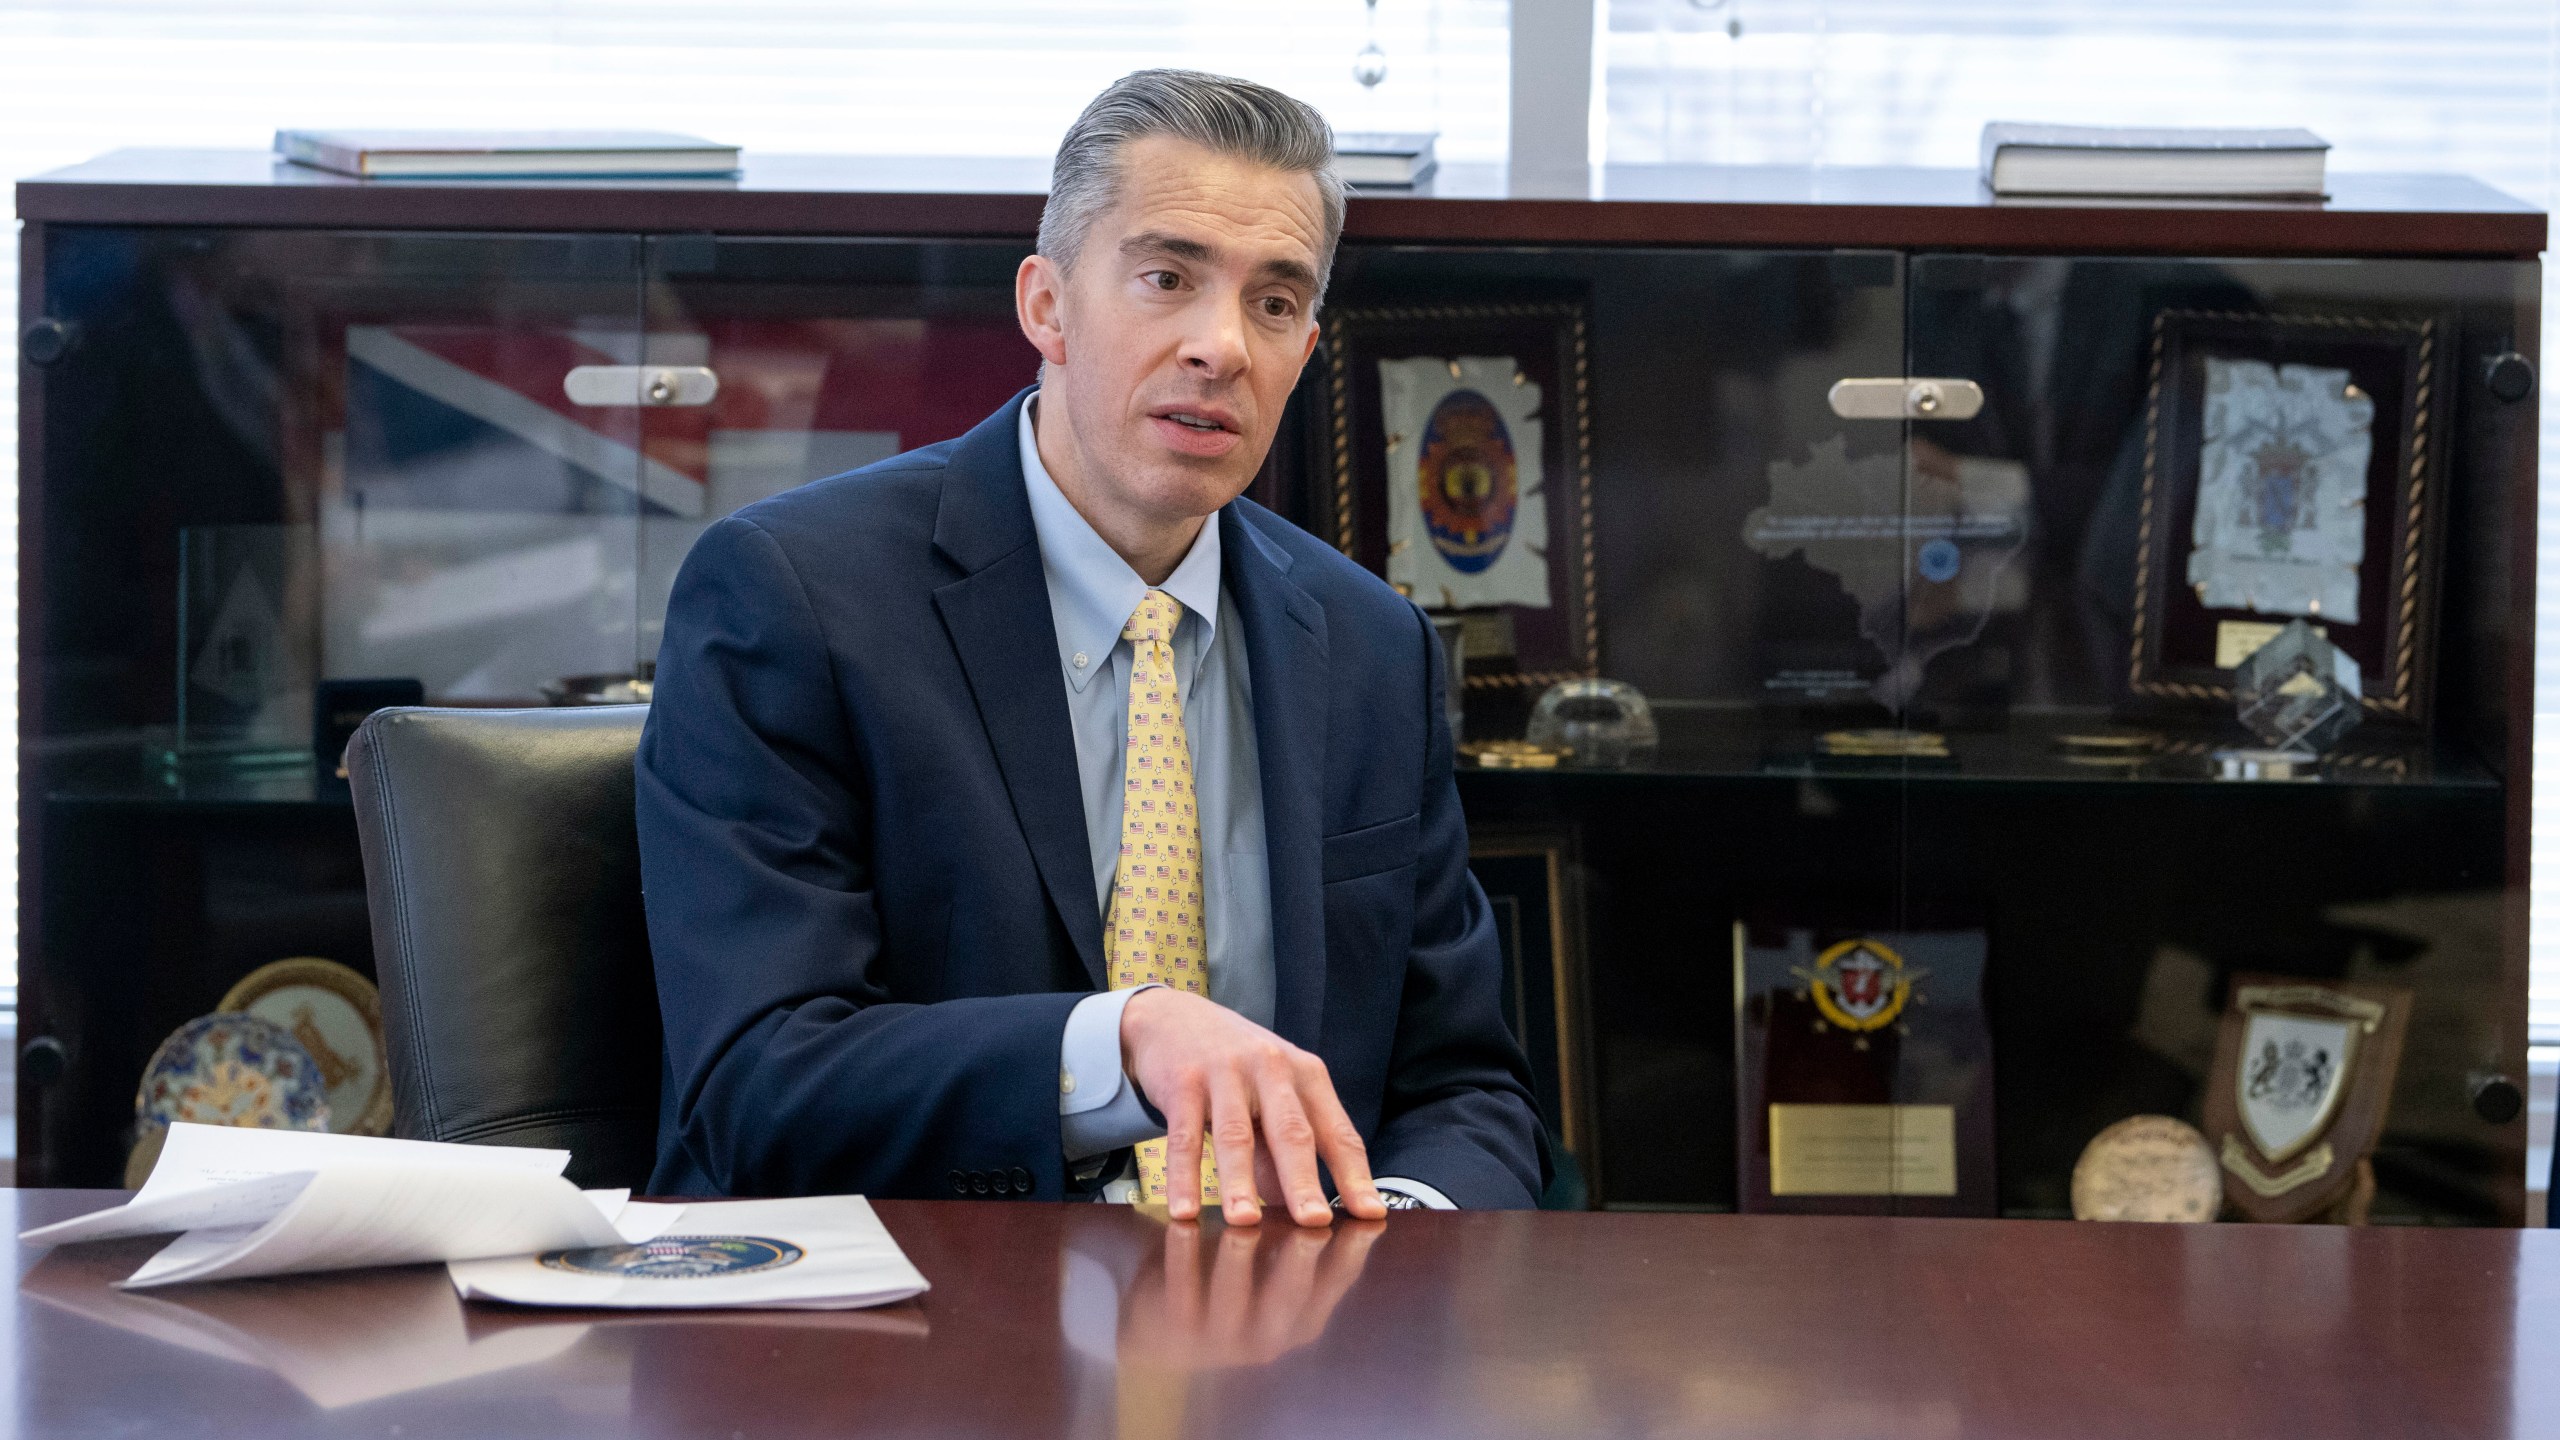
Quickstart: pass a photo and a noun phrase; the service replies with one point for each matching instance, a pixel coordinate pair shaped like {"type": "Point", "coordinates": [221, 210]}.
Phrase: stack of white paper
{"type": "Point", "coordinates": [274, 1202]}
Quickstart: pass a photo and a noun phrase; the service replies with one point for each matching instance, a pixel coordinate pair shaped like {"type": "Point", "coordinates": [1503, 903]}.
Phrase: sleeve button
{"type": "Point", "coordinates": [959, 1182]}
{"type": "Point", "coordinates": [978, 1181]}
{"type": "Point", "coordinates": [1021, 1181]}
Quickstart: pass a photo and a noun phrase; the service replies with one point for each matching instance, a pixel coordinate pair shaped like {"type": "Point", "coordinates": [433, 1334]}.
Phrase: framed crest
{"type": "Point", "coordinates": [1459, 463]}
{"type": "Point", "coordinates": [2301, 1087]}
{"type": "Point", "coordinates": [2292, 468]}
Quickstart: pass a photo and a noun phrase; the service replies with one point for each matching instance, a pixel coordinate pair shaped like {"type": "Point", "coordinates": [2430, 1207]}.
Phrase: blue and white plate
{"type": "Point", "coordinates": [233, 1070]}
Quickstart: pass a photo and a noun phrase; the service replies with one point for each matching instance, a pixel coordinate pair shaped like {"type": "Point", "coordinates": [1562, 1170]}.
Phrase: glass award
{"type": "Point", "coordinates": [2298, 692]}
{"type": "Point", "coordinates": [246, 643]}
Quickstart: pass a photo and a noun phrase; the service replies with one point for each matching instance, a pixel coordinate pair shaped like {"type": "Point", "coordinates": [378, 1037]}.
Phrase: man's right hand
{"type": "Point", "coordinates": [1267, 1105]}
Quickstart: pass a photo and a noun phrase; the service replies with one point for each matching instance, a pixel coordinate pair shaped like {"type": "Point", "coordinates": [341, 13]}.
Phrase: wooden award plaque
{"type": "Point", "coordinates": [1865, 1071]}
{"type": "Point", "coordinates": [2300, 1089]}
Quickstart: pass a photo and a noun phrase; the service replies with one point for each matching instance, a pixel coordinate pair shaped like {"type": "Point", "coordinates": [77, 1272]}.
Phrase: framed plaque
{"type": "Point", "coordinates": [2293, 469]}
{"type": "Point", "coordinates": [1866, 1071]}
{"type": "Point", "coordinates": [1459, 455]}
{"type": "Point", "coordinates": [2300, 1090]}
{"type": "Point", "coordinates": [1531, 878]}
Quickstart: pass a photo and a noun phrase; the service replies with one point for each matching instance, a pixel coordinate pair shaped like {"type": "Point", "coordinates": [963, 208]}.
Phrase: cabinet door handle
{"type": "Point", "coordinates": [1906, 397]}
{"type": "Point", "coordinates": [640, 385]}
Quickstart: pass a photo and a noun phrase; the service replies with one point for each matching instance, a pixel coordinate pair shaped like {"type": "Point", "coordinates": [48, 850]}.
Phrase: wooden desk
{"type": "Point", "coordinates": [1427, 1325]}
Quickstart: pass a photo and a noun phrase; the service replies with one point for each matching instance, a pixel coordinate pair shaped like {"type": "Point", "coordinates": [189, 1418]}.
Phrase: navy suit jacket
{"type": "Point", "coordinates": [863, 842]}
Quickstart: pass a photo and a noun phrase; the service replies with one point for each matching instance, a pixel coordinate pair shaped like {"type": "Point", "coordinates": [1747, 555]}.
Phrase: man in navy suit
{"type": "Point", "coordinates": [1029, 813]}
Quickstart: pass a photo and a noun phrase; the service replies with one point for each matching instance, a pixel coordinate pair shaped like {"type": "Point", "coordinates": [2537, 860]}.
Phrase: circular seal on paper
{"type": "Point", "coordinates": [1940, 560]}
{"type": "Point", "coordinates": [1860, 985]}
{"type": "Point", "coordinates": [678, 1257]}
{"type": "Point", "coordinates": [2149, 1168]}
{"type": "Point", "coordinates": [1470, 481]}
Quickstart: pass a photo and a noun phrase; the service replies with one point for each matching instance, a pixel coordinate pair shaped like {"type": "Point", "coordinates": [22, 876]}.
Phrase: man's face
{"type": "Point", "coordinates": [1177, 337]}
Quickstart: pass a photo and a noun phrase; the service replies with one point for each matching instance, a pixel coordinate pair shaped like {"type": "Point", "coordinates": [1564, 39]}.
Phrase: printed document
{"type": "Point", "coordinates": [274, 1202]}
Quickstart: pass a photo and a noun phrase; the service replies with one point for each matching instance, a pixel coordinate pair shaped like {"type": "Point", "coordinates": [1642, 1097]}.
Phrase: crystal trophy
{"type": "Point", "coordinates": [2298, 692]}
{"type": "Point", "coordinates": [1597, 724]}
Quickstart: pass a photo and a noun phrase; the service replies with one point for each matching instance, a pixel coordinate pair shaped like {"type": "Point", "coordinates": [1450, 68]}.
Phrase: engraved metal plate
{"type": "Point", "coordinates": [1904, 397]}
{"type": "Point", "coordinates": [640, 385]}
{"type": "Point", "coordinates": [1862, 1149]}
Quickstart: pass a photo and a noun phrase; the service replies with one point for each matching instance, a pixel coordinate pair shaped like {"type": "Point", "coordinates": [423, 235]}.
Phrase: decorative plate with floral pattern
{"type": "Point", "coordinates": [233, 1070]}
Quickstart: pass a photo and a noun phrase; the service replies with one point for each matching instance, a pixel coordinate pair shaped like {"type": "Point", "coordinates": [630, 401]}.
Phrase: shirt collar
{"type": "Point", "coordinates": [1092, 590]}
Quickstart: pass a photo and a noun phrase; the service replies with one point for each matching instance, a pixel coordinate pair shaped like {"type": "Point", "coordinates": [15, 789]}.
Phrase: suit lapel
{"type": "Point", "coordinates": [998, 618]}
{"type": "Point", "coordinates": [1285, 644]}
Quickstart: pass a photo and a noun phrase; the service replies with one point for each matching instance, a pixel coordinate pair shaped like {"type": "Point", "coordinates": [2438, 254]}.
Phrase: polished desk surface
{"type": "Point", "coordinates": [1096, 1320]}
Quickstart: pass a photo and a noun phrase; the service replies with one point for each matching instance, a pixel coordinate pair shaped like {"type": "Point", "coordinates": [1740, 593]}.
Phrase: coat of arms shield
{"type": "Point", "coordinates": [2300, 1089]}
{"type": "Point", "coordinates": [2293, 1068]}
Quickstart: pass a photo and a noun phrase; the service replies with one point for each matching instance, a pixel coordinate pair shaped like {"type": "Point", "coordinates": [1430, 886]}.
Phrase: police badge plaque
{"type": "Point", "coordinates": [1458, 444]}
{"type": "Point", "coordinates": [2301, 1086]}
{"type": "Point", "coordinates": [1866, 1072]}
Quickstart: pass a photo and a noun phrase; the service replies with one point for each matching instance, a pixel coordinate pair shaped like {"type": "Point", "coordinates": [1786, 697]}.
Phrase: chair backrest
{"type": "Point", "coordinates": [503, 872]}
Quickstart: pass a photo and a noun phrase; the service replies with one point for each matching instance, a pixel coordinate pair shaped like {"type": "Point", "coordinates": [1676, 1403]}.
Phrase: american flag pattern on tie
{"type": "Point", "coordinates": [1156, 934]}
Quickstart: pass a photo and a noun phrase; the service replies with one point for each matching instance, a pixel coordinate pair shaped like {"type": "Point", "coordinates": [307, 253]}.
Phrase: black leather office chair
{"type": "Point", "coordinates": [503, 871]}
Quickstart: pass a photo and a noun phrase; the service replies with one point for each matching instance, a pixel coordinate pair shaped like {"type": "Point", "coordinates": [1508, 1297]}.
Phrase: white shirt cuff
{"type": "Point", "coordinates": [1098, 1108]}
{"type": "Point", "coordinates": [1431, 1199]}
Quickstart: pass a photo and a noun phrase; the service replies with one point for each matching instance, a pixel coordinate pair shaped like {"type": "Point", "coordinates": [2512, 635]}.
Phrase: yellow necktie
{"type": "Point", "coordinates": [1156, 935]}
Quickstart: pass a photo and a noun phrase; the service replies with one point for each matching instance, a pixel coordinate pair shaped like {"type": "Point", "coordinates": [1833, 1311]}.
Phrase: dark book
{"type": "Point", "coordinates": [448, 154]}
{"type": "Point", "coordinates": [1380, 159]}
{"type": "Point", "coordinates": [2172, 163]}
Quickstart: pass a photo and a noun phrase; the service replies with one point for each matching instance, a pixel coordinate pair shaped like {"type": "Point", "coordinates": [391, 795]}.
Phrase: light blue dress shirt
{"type": "Point", "coordinates": [1092, 594]}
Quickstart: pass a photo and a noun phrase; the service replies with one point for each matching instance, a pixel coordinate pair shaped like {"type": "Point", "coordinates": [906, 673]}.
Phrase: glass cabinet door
{"type": "Point", "coordinates": [324, 455]}
{"type": "Point", "coordinates": [270, 460]}
{"type": "Point", "coordinates": [1626, 465]}
{"type": "Point", "coordinates": [481, 532]}
{"type": "Point", "coordinates": [810, 358]}
{"type": "Point", "coordinates": [2220, 682]}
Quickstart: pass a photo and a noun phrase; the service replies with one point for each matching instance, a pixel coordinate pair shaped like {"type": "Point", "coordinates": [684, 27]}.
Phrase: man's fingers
{"type": "Point", "coordinates": [1231, 1126]}
{"type": "Point", "coordinates": [1182, 1122]}
{"type": "Point", "coordinates": [1292, 1141]}
{"type": "Point", "coordinates": [1338, 1142]}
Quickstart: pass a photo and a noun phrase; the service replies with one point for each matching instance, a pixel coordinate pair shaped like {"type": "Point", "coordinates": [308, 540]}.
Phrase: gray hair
{"type": "Point", "coordinates": [1216, 112]}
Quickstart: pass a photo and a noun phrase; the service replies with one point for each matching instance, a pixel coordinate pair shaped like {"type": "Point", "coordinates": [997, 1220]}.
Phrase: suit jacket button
{"type": "Point", "coordinates": [959, 1182]}
{"type": "Point", "coordinates": [978, 1181]}
{"type": "Point", "coordinates": [1021, 1181]}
